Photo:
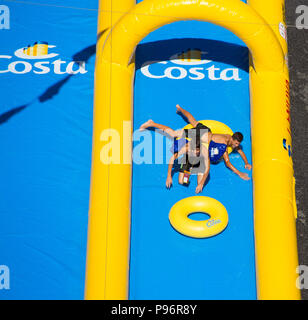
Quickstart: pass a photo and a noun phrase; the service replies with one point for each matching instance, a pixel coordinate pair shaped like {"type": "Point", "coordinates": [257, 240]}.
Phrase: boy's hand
{"type": "Point", "coordinates": [199, 188]}
{"type": "Point", "coordinates": [244, 176]}
{"type": "Point", "coordinates": [169, 182]}
{"type": "Point", "coordinates": [248, 166]}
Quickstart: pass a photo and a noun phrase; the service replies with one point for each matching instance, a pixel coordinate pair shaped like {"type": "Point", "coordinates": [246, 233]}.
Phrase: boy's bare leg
{"type": "Point", "coordinates": [181, 178]}
{"type": "Point", "coordinates": [188, 115]}
{"type": "Point", "coordinates": [151, 124]}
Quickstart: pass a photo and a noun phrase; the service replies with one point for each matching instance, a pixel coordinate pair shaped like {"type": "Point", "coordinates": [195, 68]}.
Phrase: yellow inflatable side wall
{"type": "Point", "coordinates": [261, 26]}
{"type": "Point", "coordinates": [274, 205]}
{"type": "Point", "coordinates": [109, 212]}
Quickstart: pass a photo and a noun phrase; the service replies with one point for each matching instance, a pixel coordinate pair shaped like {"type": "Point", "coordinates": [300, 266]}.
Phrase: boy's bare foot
{"type": "Point", "coordinates": [178, 109]}
{"type": "Point", "coordinates": [146, 125]}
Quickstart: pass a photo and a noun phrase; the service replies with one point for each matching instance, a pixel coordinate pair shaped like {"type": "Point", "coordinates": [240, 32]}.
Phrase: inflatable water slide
{"type": "Point", "coordinates": [85, 212]}
{"type": "Point", "coordinates": [225, 61]}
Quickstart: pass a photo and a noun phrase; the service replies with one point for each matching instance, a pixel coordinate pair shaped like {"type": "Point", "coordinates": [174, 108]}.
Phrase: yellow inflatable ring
{"type": "Point", "coordinates": [180, 221]}
{"type": "Point", "coordinates": [216, 128]}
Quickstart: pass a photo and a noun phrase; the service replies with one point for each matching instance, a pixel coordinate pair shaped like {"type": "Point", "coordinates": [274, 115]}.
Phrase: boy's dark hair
{"type": "Point", "coordinates": [238, 136]}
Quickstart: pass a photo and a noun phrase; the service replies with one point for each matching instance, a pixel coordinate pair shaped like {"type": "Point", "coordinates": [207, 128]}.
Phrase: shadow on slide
{"type": "Point", "coordinates": [83, 55]}
{"type": "Point", "coordinates": [151, 52]}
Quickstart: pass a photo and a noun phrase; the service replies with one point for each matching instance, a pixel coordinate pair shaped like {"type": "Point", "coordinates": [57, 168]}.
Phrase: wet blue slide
{"type": "Point", "coordinates": [46, 135]}
{"type": "Point", "coordinates": [46, 140]}
{"type": "Point", "coordinates": [164, 263]}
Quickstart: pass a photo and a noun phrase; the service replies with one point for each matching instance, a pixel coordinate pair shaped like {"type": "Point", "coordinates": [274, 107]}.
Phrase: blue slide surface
{"type": "Point", "coordinates": [46, 141]}
{"type": "Point", "coordinates": [46, 138]}
{"type": "Point", "coordinates": [164, 263]}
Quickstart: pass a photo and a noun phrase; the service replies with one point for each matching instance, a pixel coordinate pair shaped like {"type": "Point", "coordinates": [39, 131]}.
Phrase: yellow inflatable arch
{"type": "Point", "coordinates": [122, 25]}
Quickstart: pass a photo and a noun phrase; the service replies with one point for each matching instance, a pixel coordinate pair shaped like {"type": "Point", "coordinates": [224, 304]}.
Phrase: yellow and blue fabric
{"type": "Point", "coordinates": [109, 254]}
{"type": "Point", "coordinates": [46, 152]}
{"type": "Point", "coordinates": [156, 266]}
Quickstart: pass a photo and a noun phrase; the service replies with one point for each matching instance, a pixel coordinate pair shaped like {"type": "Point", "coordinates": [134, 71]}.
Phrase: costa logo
{"type": "Point", "coordinates": [192, 65]}
{"type": "Point", "coordinates": [29, 55]}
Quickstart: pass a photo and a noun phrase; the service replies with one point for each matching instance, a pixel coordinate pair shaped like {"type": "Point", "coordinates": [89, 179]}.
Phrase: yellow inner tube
{"type": "Point", "coordinates": [180, 221]}
{"type": "Point", "coordinates": [216, 128]}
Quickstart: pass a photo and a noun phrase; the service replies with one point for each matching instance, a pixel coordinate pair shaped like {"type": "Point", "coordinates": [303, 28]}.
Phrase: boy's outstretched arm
{"type": "Point", "coordinates": [243, 156]}
{"type": "Point", "coordinates": [231, 167]}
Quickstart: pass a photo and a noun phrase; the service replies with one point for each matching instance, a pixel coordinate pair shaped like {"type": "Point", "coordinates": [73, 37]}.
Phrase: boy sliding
{"type": "Point", "coordinates": [199, 143]}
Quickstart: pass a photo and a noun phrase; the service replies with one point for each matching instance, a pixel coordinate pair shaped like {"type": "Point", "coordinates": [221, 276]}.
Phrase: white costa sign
{"type": "Point", "coordinates": [178, 69]}
{"type": "Point", "coordinates": [45, 64]}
